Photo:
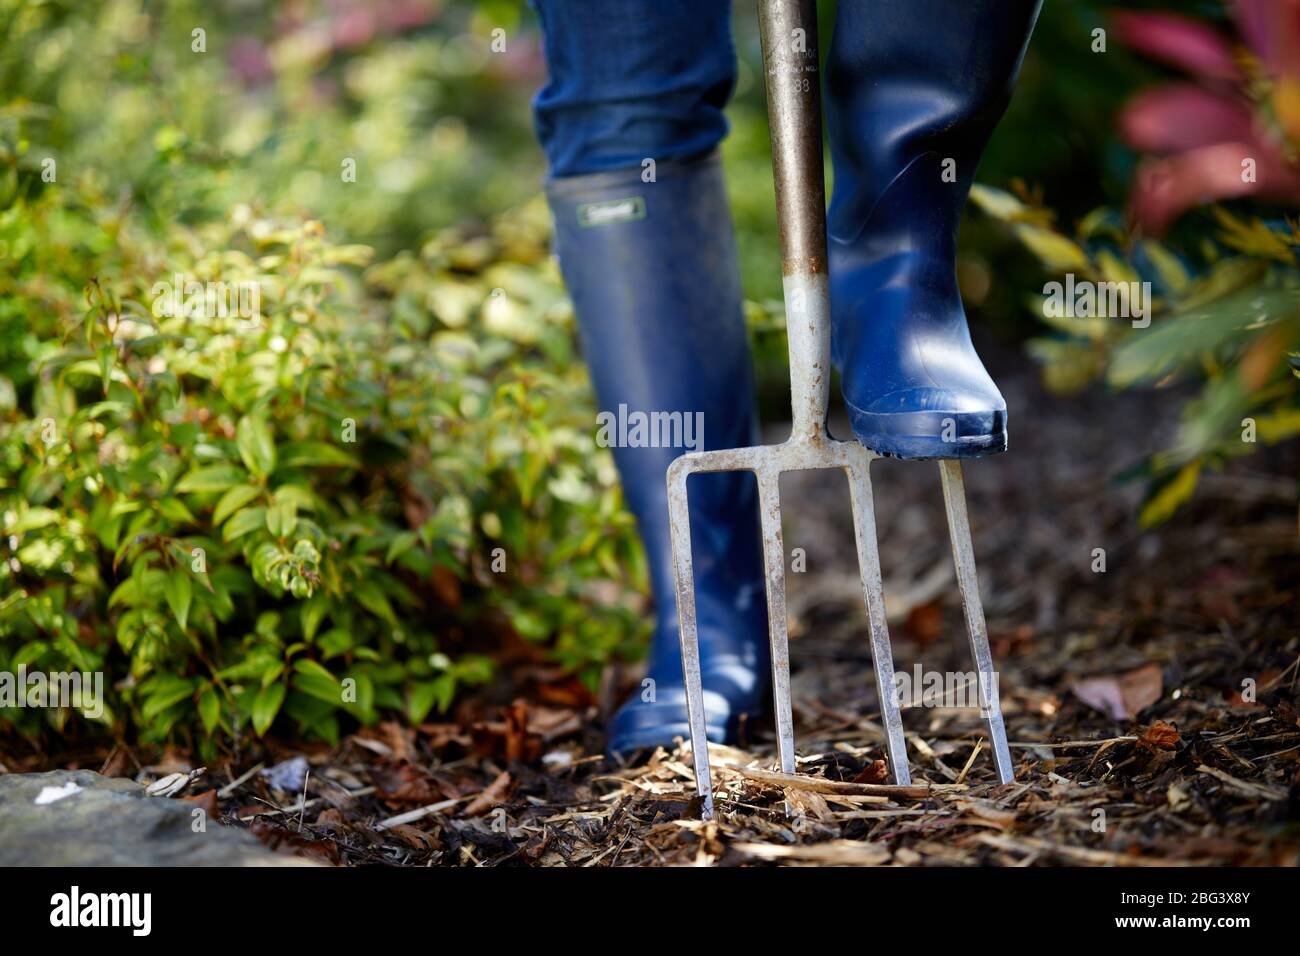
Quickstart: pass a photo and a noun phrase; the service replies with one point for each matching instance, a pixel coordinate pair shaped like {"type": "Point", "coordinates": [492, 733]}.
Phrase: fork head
{"type": "Point", "coordinates": [803, 452]}
{"type": "Point", "coordinates": [807, 453]}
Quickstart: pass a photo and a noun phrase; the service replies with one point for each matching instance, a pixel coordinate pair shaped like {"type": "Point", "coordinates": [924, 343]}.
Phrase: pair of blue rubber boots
{"type": "Point", "coordinates": [914, 90]}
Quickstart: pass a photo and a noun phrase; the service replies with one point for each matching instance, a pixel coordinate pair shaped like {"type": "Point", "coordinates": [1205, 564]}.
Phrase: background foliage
{"type": "Point", "coordinates": [232, 518]}
{"type": "Point", "coordinates": [1220, 121]}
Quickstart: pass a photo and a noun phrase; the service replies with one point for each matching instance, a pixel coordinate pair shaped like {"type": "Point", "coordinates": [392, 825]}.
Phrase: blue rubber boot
{"type": "Point", "coordinates": [915, 90]}
{"type": "Point", "coordinates": [651, 268]}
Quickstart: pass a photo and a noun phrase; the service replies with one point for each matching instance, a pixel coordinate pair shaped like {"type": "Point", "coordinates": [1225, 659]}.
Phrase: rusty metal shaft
{"type": "Point", "coordinates": [793, 79]}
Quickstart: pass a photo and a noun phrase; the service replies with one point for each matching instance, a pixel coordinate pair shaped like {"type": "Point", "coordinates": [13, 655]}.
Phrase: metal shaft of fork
{"type": "Point", "coordinates": [788, 29]}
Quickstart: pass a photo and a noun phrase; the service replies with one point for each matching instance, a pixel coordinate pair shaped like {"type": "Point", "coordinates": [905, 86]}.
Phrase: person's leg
{"type": "Point", "coordinates": [629, 80]}
{"type": "Point", "coordinates": [649, 258]}
{"type": "Point", "coordinates": [915, 89]}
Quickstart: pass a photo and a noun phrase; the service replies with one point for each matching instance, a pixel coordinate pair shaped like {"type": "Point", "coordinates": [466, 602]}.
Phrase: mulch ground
{"type": "Point", "coordinates": [1151, 706]}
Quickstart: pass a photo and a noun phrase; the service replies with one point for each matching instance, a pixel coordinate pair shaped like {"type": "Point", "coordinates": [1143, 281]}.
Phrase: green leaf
{"type": "Point", "coordinates": [168, 691]}
{"type": "Point", "coordinates": [334, 642]}
{"type": "Point", "coordinates": [178, 589]}
{"type": "Point", "coordinates": [252, 666]}
{"type": "Point", "coordinates": [105, 355]}
{"type": "Point", "coordinates": [1187, 335]}
{"type": "Point", "coordinates": [369, 596]}
{"type": "Point", "coordinates": [314, 680]}
{"type": "Point", "coordinates": [173, 509]}
{"type": "Point", "coordinates": [272, 673]}
{"type": "Point", "coordinates": [212, 478]}
{"type": "Point", "coordinates": [365, 702]}
{"type": "Point", "coordinates": [232, 501]}
{"type": "Point", "coordinates": [999, 204]}
{"type": "Point", "coordinates": [209, 708]}
{"type": "Point", "coordinates": [1274, 428]}
{"type": "Point", "coordinates": [282, 518]}
{"type": "Point", "coordinates": [256, 445]}
{"type": "Point", "coordinates": [33, 519]}
{"type": "Point", "coordinates": [1054, 251]}
{"type": "Point", "coordinates": [400, 544]}
{"type": "Point", "coordinates": [250, 519]}
{"type": "Point", "coordinates": [424, 695]}
{"type": "Point", "coordinates": [1168, 266]}
{"type": "Point", "coordinates": [92, 369]}
{"type": "Point", "coordinates": [1254, 238]}
{"type": "Point", "coordinates": [314, 453]}
{"type": "Point", "coordinates": [311, 668]}
{"type": "Point", "coordinates": [1165, 501]}
{"type": "Point", "coordinates": [266, 706]}
{"type": "Point", "coordinates": [311, 614]}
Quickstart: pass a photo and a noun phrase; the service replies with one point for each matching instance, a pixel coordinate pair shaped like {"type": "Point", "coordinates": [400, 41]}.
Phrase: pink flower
{"type": "Point", "coordinates": [1224, 134]}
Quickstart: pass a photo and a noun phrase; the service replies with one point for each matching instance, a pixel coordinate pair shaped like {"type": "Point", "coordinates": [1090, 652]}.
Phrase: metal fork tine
{"type": "Point", "coordinates": [679, 527]}
{"type": "Point", "coordinates": [873, 591]}
{"type": "Point", "coordinates": [963, 556]}
{"type": "Point", "coordinates": [769, 504]}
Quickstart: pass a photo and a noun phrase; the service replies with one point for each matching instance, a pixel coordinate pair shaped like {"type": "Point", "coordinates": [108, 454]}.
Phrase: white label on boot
{"type": "Point", "coordinates": [614, 210]}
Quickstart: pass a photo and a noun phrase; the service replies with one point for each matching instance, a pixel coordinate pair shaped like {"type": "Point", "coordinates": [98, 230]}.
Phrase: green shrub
{"type": "Point", "coordinates": [438, 128]}
{"type": "Point", "coordinates": [294, 513]}
{"type": "Point", "coordinates": [1231, 322]}
{"type": "Point", "coordinates": [292, 522]}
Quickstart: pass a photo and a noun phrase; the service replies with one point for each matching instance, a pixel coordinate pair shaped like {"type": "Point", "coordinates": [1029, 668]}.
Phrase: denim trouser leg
{"type": "Point", "coordinates": [632, 79]}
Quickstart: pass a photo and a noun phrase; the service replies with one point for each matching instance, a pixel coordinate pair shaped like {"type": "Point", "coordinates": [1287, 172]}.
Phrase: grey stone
{"type": "Point", "coordinates": [111, 822]}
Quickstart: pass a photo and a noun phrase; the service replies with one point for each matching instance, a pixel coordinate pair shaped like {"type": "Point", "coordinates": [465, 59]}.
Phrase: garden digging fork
{"type": "Point", "coordinates": [789, 38]}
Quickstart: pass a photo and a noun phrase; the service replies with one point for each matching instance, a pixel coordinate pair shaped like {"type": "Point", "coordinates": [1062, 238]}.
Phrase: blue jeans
{"type": "Point", "coordinates": [636, 79]}
{"type": "Point", "coordinates": [632, 79]}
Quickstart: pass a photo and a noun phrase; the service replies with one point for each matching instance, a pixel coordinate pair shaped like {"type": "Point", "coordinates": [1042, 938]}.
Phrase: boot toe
{"type": "Point", "coordinates": [733, 689]}
{"type": "Point", "coordinates": [929, 422]}
{"type": "Point", "coordinates": [639, 724]}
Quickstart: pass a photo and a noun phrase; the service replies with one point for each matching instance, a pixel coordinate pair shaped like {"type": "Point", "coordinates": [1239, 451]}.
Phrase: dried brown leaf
{"type": "Point", "coordinates": [875, 772]}
{"type": "Point", "coordinates": [1160, 736]}
{"type": "Point", "coordinates": [1122, 697]}
{"type": "Point", "coordinates": [495, 794]}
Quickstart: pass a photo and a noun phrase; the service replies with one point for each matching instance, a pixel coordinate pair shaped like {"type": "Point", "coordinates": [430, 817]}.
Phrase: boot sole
{"type": "Point", "coordinates": [918, 436]}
